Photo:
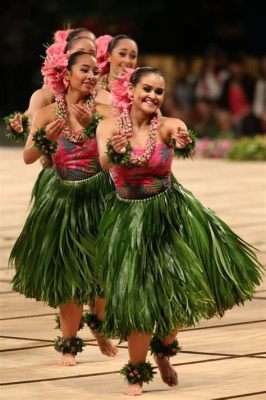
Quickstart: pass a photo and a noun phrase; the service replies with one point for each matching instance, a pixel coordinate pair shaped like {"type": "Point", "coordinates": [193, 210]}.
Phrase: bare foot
{"type": "Point", "coordinates": [168, 374]}
{"type": "Point", "coordinates": [67, 360]}
{"type": "Point", "coordinates": [106, 346]}
{"type": "Point", "coordinates": [134, 389]}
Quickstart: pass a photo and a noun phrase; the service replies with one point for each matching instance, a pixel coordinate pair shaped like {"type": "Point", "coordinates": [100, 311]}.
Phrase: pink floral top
{"type": "Point", "coordinates": [134, 182]}
{"type": "Point", "coordinates": [76, 161]}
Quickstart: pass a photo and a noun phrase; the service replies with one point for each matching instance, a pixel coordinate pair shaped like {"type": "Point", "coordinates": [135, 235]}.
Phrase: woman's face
{"type": "Point", "coordinates": [83, 44]}
{"type": "Point", "coordinates": [149, 92]}
{"type": "Point", "coordinates": [83, 75]}
{"type": "Point", "coordinates": [124, 55]}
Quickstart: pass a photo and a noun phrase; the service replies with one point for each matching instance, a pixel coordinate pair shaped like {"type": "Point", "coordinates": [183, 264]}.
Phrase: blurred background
{"type": "Point", "coordinates": [213, 55]}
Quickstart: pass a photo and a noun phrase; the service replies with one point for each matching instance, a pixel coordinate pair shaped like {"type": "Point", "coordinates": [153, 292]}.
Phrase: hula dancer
{"type": "Point", "coordinates": [167, 261]}
{"type": "Point", "coordinates": [54, 255]}
{"type": "Point", "coordinates": [114, 56]}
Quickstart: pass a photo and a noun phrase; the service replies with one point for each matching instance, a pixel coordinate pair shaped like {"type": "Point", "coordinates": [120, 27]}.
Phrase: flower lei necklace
{"type": "Point", "coordinates": [126, 130]}
{"type": "Point", "coordinates": [75, 136]}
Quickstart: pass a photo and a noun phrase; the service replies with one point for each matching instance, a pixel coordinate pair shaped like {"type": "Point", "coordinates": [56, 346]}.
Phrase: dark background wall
{"type": "Point", "coordinates": [233, 26]}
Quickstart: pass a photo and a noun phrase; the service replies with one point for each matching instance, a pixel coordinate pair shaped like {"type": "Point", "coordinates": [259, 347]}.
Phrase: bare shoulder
{"type": "Point", "coordinates": [104, 110]}
{"type": "Point", "coordinates": [172, 123]}
{"type": "Point", "coordinates": [103, 97]}
{"type": "Point", "coordinates": [40, 98]}
{"type": "Point", "coordinates": [44, 116]}
{"type": "Point", "coordinates": [43, 96]}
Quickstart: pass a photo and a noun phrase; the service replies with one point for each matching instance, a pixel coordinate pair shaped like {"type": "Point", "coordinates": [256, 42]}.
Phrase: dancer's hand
{"type": "Point", "coordinates": [119, 143]}
{"type": "Point", "coordinates": [181, 137]}
{"type": "Point", "coordinates": [54, 129]}
{"type": "Point", "coordinates": [16, 123]}
{"type": "Point", "coordinates": [82, 113]}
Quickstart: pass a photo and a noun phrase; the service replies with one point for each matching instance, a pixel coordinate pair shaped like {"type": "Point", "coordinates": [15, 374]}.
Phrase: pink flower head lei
{"type": "Point", "coordinates": [102, 43]}
{"type": "Point", "coordinates": [61, 36]}
{"type": "Point", "coordinates": [54, 68]}
{"type": "Point", "coordinates": [119, 90]}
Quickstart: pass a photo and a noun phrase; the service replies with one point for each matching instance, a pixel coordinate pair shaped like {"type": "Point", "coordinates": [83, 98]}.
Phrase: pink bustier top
{"type": "Point", "coordinates": [76, 161]}
{"type": "Point", "coordinates": [135, 182]}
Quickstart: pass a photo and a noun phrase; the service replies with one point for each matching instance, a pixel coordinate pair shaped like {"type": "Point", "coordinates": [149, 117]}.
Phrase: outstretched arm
{"type": "Point", "coordinates": [176, 131]}
{"type": "Point", "coordinates": [18, 123]}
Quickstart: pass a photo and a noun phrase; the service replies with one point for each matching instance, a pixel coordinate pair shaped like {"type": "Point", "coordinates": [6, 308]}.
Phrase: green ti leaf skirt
{"type": "Point", "coordinates": [169, 261]}
{"type": "Point", "coordinates": [54, 256]}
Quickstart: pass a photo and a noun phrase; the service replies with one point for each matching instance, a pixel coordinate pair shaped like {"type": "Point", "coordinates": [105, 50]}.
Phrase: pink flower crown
{"type": "Point", "coordinates": [61, 36]}
{"type": "Point", "coordinates": [119, 91]}
{"type": "Point", "coordinates": [54, 67]}
{"type": "Point", "coordinates": [102, 43]}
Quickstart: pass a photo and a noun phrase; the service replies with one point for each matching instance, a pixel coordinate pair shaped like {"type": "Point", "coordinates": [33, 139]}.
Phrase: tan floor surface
{"type": "Point", "coordinates": [220, 359]}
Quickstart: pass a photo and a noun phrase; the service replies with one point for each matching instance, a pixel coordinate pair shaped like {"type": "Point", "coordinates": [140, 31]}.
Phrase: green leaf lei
{"type": "Point", "coordinates": [186, 151]}
{"type": "Point", "coordinates": [92, 321]}
{"type": "Point", "coordinates": [161, 350]}
{"type": "Point", "coordinates": [43, 144]}
{"type": "Point", "coordinates": [117, 158]}
{"type": "Point", "coordinates": [87, 318]}
{"type": "Point", "coordinates": [69, 345]}
{"type": "Point", "coordinates": [12, 133]}
{"type": "Point", "coordinates": [90, 130]}
{"type": "Point", "coordinates": [142, 372]}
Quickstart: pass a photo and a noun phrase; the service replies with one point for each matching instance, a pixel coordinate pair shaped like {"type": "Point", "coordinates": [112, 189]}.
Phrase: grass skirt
{"type": "Point", "coordinates": [54, 255]}
{"type": "Point", "coordinates": [42, 182]}
{"type": "Point", "coordinates": [169, 261]}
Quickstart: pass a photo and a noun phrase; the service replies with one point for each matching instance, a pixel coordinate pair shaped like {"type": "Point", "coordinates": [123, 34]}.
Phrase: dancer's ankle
{"type": "Point", "coordinates": [161, 350]}
{"type": "Point", "coordinates": [93, 322]}
{"type": "Point", "coordinates": [69, 345]}
{"type": "Point", "coordinates": [136, 375]}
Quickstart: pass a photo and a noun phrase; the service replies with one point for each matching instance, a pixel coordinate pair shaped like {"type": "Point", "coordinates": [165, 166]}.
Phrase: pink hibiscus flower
{"type": "Point", "coordinates": [54, 67]}
{"type": "Point", "coordinates": [102, 43]}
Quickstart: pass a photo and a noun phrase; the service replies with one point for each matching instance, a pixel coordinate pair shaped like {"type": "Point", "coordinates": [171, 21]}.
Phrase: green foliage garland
{"type": "Point", "coordinates": [68, 345]}
{"type": "Point", "coordinates": [187, 150]}
{"type": "Point", "coordinates": [12, 133]}
{"type": "Point", "coordinates": [142, 372]}
{"type": "Point", "coordinates": [92, 321]}
{"type": "Point", "coordinates": [117, 158]}
{"type": "Point", "coordinates": [43, 144]}
{"type": "Point", "coordinates": [90, 130]}
{"type": "Point", "coordinates": [161, 350]}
